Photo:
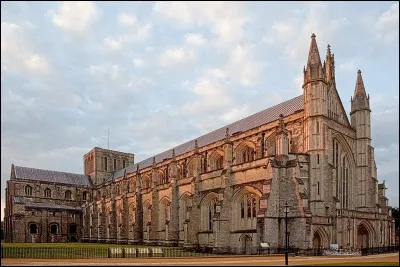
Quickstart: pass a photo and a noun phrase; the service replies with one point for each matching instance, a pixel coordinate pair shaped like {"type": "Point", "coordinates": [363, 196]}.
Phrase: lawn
{"type": "Point", "coordinates": [358, 264]}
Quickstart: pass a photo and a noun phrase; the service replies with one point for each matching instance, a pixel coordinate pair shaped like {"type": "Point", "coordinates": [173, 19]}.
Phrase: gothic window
{"type": "Point", "coordinates": [219, 162]}
{"type": "Point", "coordinates": [164, 206]}
{"type": "Point", "coordinates": [28, 190]}
{"type": "Point", "coordinates": [47, 192]}
{"type": "Point", "coordinates": [190, 168]}
{"type": "Point", "coordinates": [115, 164]}
{"type": "Point", "coordinates": [105, 163]}
{"type": "Point", "coordinates": [84, 195]}
{"type": "Point", "coordinates": [146, 213]}
{"type": "Point", "coordinates": [247, 154]}
{"type": "Point", "coordinates": [68, 194]}
{"type": "Point", "coordinates": [184, 169]}
{"type": "Point", "coordinates": [183, 209]}
{"type": "Point", "coordinates": [245, 208]}
{"type": "Point", "coordinates": [123, 164]}
{"type": "Point", "coordinates": [208, 208]}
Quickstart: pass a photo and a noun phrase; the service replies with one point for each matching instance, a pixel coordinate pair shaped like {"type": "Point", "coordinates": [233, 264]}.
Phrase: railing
{"type": "Point", "coordinates": [169, 252]}
{"type": "Point", "coordinates": [379, 250]}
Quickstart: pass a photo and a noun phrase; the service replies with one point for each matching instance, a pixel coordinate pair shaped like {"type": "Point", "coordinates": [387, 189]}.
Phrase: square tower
{"type": "Point", "coordinates": [100, 163]}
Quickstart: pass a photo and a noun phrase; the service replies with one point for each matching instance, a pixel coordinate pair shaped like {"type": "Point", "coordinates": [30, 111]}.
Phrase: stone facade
{"type": "Point", "coordinates": [227, 189]}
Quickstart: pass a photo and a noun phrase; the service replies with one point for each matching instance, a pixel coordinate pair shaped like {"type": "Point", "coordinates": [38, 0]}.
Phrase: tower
{"type": "Point", "coordinates": [361, 121]}
{"type": "Point", "coordinates": [315, 89]}
{"type": "Point", "coordinates": [100, 163]}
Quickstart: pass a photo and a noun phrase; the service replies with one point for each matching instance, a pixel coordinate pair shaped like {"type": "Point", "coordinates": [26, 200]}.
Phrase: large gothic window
{"type": "Point", "coordinates": [163, 214]}
{"type": "Point", "coordinates": [244, 210]}
{"type": "Point", "coordinates": [343, 175]}
{"type": "Point", "coordinates": [146, 213]}
{"type": "Point", "coordinates": [208, 209]}
{"type": "Point", "coordinates": [28, 190]}
{"type": "Point", "coordinates": [183, 211]}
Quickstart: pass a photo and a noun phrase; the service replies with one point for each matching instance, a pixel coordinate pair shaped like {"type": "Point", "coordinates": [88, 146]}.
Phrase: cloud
{"type": "Point", "coordinates": [195, 39]}
{"type": "Point", "coordinates": [175, 56]}
{"type": "Point", "coordinates": [137, 33]}
{"type": "Point", "coordinates": [138, 62]}
{"type": "Point", "coordinates": [75, 17]}
{"type": "Point", "coordinates": [387, 25]}
{"type": "Point", "coordinates": [18, 53]}
{"type": "Point", "coordinates": [127, 19]}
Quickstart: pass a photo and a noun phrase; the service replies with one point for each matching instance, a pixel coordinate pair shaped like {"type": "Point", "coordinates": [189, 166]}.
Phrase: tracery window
{"type": "Point", "coordinates": [28, 190]}
{"type": "Point", "coordinates": [47, 192]}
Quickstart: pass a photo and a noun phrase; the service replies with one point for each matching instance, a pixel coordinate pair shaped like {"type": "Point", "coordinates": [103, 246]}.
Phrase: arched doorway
{"type": "Point", "coordinates": [362, 237]}
{"type": "Point", "coordinates": [317, 241]}
{"type": "Point", "coordinates": [72, 233]}
{"type": "Point", "coordinates": [246, 244]}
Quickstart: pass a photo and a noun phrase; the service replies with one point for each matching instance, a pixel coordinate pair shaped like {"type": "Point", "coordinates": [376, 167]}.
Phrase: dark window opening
{"type": "Point", "coordinates": [123, 164]}
{"type": "Point", "coordinates": [72, 229]}
{"type": "Point", "coordinates": [105, 163]}
{"type": "Point", "coordinates": [115, 164]}
{"type": "Point", "coordinates": [47, 192]}
{"type": "Point", "coordinates": [68, 194]}
{"type": "Point", "coordinates": [28, 190]}
{"type": "Point", "coordinates": [84, 195]}
{"type": "Point", "coordinates": [33, 228]}
{"type": "Point", "coordinates": [53, 229]}
{"type": "Point", "coordinates": [318, 159]}
{"type": "Point", "coordinates": [318, 187]}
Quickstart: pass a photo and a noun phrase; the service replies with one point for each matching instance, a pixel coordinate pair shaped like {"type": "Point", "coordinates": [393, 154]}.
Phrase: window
{"type": "Point", "coordinates": [317, 126]}
{"type": "Point", "coordinates": [317, 158]}
{"type": "Point", "coordinates": [68, 194]}
{"type": "Point", "coordinates": [219, 163]}
{"type": "Point", "coordinates": [84, 195]}
{"type": "Point", "coordinates": [53, 229]}
{"type": "Point", "coordinates": [123, 164]}
{"type": "Point", "coordinates": [28, 190]}
{"type": "Point", "coordinates": [33, 228]}
{"type": "Point", "coordinates": [47, 192]}
{"type": "Point", "coordinates": [247, 154]}
{"type": "Point", "coordinates": [211, 210]}
{"type": "Point", "coordinates": [318, 188]}
{"type": "Point", "coordinates": [105, 163]}
{"type": "Point", "coordinates": [115, 164]}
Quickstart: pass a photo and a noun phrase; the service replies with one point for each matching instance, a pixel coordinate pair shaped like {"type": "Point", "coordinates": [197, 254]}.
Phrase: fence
{"type": "Point", "coordinates": [169, 252]}
{"type": "Point", "coordinates": [379, 250]}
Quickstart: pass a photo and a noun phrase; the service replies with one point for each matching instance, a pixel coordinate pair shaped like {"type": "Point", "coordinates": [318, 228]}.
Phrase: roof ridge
{"type": "Point", "coordinates": [50, 170]}
{"type": "Point", "coordinates": [182, 146]}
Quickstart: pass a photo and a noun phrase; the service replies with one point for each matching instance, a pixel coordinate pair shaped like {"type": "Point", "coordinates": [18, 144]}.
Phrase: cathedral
{"type": "Point", "coordinates": [228, 190]}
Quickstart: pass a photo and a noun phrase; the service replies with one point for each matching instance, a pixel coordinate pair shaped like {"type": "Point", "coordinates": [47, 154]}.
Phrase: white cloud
{"type": "Point", "coordinates": [138, 33]}
{"type": "Point", "coordinates": [75, 17]}
{"type": "Point", "coordinates": [349, 65]}
{"type": "Point", "coordinates": [236, 113]}
{"type": "Point", "coordinates": [112, 72]}
{"type": "Point", "coordinates": [176, 57]}
{"type": "Point", "coordinates": [17, 53]}
{"type": "Point", "coordinates": [225, 19]}
{"type": "Point", "coordinates": [127, 19]}
{"type": "Point", "coordinates": [387, 26]}
{"type": "Point", "coordinates": [195, 39]}
{"type": "Point", "coordinates": [138, 62]}
{"type": "Point", "coordinates": [113, 43]}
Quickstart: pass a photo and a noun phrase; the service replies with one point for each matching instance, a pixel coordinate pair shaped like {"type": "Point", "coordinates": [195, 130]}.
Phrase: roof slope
{"type": "Point", "coordinates": [28, 203]}
{"type": "Point", "coordinates": [51, 176]}
{"type": "Point", "coordinates": [263, 117]}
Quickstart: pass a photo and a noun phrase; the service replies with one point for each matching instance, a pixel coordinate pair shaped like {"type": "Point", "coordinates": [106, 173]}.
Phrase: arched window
{"type": "Point", "coordinates": [164, 214]}
{"type": "Point", "coordinates": [28, 190]}
{"type": "Point", "coordinates": [53, 229]}
{"type": "Point", "coordinates": [146, 213]}
{"type": "Point", "coordinates": [245, 206]}
{"type": "Point", "coordinates": [183, 210]}
{"type": "Point", "coordinates": [244, 153]}
{"type": "Point", "coordinates": [219, 163]}
{"type": "Point", "coordinates": [208, 209]}
{"type": "Point", "coordinates": [33, 228]}
{"type": "Point", "coordinates": [84, 195]}
{"type": "Point", "coordinates": [47, 192]}
{"type": "Point", "coordinates": [68, 194]}
{"type": "Point", "coordinates": [190, 168]}
{"type": "Point", "coordinates": [216, 160]}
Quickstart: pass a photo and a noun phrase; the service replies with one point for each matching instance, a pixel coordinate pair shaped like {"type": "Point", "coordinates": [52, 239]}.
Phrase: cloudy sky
{"type": "Point", "coordinates": [158, 74]}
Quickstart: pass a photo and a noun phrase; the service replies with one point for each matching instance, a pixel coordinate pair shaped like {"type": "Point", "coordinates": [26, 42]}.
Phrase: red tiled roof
{"type": "Point", "coordinates": [260, 118]}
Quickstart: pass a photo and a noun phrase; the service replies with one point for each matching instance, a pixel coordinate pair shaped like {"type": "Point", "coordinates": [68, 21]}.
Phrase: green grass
{"type": "Point", "coordinates": [358, 264]}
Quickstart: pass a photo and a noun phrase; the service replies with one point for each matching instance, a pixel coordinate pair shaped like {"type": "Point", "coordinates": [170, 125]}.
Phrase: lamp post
{"type": "Point", "coordinates": [286, 210]}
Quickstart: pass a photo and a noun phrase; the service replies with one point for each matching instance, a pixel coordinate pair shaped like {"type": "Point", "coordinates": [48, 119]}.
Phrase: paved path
{"type": "Point", "coordinates": [204, 261]}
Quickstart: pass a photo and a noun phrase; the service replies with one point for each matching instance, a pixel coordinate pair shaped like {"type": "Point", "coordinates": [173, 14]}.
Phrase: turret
{"type": "Point", "coordinates": [313, 71]}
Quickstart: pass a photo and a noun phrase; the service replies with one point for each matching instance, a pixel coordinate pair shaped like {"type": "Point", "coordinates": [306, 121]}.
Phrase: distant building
{"type": "Point", "coordinates": [226, 190]}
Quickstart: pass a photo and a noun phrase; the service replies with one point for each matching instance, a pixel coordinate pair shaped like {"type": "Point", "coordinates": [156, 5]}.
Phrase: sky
{"type": "Point", "coordinates": [158, 74]}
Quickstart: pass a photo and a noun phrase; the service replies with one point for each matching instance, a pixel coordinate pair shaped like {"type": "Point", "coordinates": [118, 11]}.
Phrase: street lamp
{"type": "Point", "coordinates": [286, 210]}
